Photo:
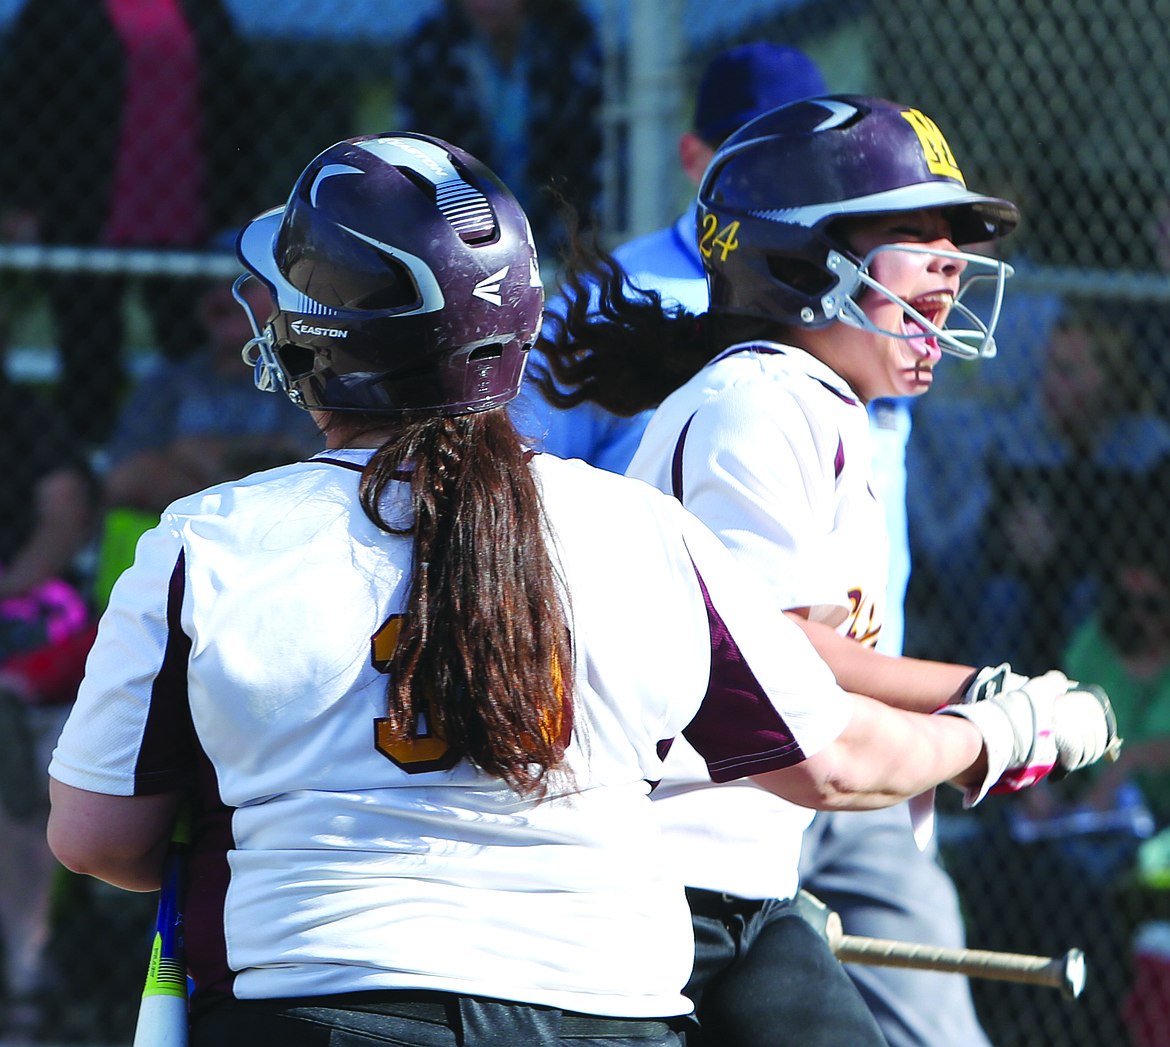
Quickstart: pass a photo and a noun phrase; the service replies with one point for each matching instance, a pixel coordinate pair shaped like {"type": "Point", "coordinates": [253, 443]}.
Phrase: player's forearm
{"type": "Point", "coordinates": [906, 683]}
{"type": "Point", "coordinates": [883, 757]}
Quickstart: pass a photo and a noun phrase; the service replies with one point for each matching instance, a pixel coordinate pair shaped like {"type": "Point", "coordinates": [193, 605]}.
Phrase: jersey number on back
{"type": "Point", "coordinates": [426, 749]}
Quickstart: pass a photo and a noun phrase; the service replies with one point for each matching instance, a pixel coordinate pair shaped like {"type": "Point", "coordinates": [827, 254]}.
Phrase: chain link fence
{"type": "Point", "coordinates": [1039, 483]}
{"type": "Point", "coordinates": [1038, 480]}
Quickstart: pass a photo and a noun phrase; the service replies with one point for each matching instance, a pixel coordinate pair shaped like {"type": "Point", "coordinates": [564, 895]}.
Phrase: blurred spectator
{"type": "Point", "coordinates": [125, 123]}
{"type": "Point", "coordinates": [1125, 645]}
{"type": "Point", "coordinates": [197, 422]}
{"type": "Point", "coordinates": [194, 423]}
{"type": "Point", "coordinates": [1082, 837]}
{"type": "Point", "coordinates": [45, 631]}
{"type": "Point", "coordinates": [516, 83]}
{"type": "Point", "coordinates": [949, 443]}
{"type": "Point", "coordinates": [1006, 500]}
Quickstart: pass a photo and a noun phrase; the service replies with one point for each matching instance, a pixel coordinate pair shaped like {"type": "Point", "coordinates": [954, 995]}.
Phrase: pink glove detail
{"type": "Point", "coordinates": [1018, 733]}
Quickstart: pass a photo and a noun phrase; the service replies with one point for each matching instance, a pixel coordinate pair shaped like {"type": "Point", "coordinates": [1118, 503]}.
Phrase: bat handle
{"type": "Point", "coordinates": [1066, 973]}
{"type": "Point", "coordinates": [162, 1013]}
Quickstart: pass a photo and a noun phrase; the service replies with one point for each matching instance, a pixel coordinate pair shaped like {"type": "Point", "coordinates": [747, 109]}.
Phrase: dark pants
{"type": "Point", "coordinates": [866, 867]}
{"type": "Point", "coordinates": [764, 977]}
{"type": "Point", "coordinates": [415, 1019]}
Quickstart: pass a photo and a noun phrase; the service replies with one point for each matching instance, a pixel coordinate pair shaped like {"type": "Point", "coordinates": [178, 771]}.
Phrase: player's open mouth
{"type": "Point", "coordinates": [934, 307]}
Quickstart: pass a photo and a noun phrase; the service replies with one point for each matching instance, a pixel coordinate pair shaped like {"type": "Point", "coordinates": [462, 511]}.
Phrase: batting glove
{"type": "Point", "coordinates": [990, 681]}
{"type": "Point", "coordinates": [1074, 750]}
{"type": "Point", "coordinates": [1017, 728]}
{"type": "Point", "coordinates": [1085, 729]}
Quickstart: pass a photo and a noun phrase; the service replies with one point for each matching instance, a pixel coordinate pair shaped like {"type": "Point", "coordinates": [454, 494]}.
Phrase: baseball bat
{"type": "Point", "coordinates": [1066, 973]}
{"type": "Point", "coordinates": [162, 1014]}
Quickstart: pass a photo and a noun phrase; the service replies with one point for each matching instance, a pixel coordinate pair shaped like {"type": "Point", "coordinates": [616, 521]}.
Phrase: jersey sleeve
{"type": "Point", "coordinates": [758, 467]}
{"type": "Point", "coordinates": [674, 638]}
{"type": "Point", "coordinates": [129, 732]}
{"type": "Point", "coordinates": [771, 701]}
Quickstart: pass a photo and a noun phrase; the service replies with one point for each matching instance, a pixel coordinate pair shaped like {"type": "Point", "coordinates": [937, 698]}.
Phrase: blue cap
{"type": "Point", "coordinates": [742, 82]}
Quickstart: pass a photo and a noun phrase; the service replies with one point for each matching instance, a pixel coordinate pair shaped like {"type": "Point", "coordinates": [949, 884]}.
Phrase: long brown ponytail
{"type": "Point", "coordinates": [484, 650]}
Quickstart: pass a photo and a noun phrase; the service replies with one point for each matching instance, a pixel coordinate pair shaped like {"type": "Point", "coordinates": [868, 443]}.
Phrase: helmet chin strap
{"type": "Point", "coordinates": [971, 343]}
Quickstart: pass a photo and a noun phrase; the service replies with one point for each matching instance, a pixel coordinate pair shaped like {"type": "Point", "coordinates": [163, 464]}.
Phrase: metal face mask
{"type": "Point", "coordinates": [971, 339]}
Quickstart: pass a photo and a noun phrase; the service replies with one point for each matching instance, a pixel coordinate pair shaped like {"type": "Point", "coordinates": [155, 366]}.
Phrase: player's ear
{"type": "Point", "coordinates": [694, 154]}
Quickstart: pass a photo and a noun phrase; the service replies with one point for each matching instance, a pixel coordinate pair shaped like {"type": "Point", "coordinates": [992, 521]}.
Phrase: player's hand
{"type": "Point", "coordinates": [1019, 735]}
{"type": "Point", "coordinates": [990, 681]}
{"type": "Point", "coordinates": [1079, 741]}
{"type": "Point", "coordinates": [1084, 728]}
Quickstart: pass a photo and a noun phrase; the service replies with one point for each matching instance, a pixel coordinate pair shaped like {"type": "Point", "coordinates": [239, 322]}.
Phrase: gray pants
{"type": "Point", "coordinates": [866, 866]}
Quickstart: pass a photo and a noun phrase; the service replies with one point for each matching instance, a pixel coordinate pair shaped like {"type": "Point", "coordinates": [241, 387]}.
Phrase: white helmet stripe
{"type": "Point", "coordinates": [904, 198]}
{"type": "Point", "coordinates": [839, 112]}
{"type": "Point", "coordinates": [257, 251]}
{"type": "Point", "coordinates": [329, 171]}
{"type": "Point", "coordinates": [428, 286]}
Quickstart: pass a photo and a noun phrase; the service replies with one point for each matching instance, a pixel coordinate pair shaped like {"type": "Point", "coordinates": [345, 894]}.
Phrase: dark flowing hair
{"type": "Point", "coordinates": [624, 349]}
{"type": "Point", "coordinates": [484, 648]}
{"type": "Point", "coordinates": [626, 352]}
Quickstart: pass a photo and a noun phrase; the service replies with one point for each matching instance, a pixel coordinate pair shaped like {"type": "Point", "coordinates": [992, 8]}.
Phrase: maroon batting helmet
{"type": "Point", "coordinates": [404, 277]}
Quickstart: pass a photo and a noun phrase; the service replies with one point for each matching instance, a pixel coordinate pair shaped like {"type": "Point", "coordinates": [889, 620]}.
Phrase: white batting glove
{"type": "Point", "coordinates": [990, 681]}
{"type": "Point", "coordinates": [1078, 727]}
{"type": "Point", "coordinates": [1018, 733]}
{"type": "Point", "coordinates": [1085, 729]}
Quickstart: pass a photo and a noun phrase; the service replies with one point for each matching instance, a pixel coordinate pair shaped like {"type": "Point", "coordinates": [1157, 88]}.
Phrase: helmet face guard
{"type": "Point", "coordinates": [771, 197]}
{"type": "Point", "coordinates": [259, 352]}
{"type": "Point", "coordinates": [404, 278]}
{"type": "Point", "coordinates": [972, 342]}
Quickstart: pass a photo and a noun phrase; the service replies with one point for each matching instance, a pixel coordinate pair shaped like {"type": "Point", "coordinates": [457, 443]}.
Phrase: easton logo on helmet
{"type": "Point", "coordinates": [332, 332]}
{"type": "Point", "coordinates": [489, 287]}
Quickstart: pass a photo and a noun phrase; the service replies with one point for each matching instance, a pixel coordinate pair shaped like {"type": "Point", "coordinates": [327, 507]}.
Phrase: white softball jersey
{"type": "Point", "coordinates": [241, 658]}
{"type": "Point", "coordinates": [771, 449]}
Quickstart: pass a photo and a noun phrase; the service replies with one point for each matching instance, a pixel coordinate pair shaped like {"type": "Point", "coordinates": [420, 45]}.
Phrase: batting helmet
{"type": "Point", "coordinates": [404, 277]}
{"type": "Point", "coordinates": [770, 197]}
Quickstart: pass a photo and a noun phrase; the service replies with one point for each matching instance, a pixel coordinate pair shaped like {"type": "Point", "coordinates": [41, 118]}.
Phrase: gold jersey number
{"type": "Point", "coordinates": [426, 749]}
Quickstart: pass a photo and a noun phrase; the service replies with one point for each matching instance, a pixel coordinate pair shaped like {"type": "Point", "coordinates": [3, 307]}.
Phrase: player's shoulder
{"type": "Point", "coordinates": [573, 480]}
{"type": "Point", "coordinates": [294, 483]}
{"type": "Point", "coordinates": [756, 377]}
{"type": "Point", "coordinates": [783, 364]}
{"type": "Point", "coordinates": [580, 496]}
{"type": "Point", "coordinates": [611, 526]}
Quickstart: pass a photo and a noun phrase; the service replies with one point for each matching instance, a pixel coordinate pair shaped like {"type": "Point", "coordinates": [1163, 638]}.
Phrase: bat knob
{"type": "Point", "coordinates": [1072, 973]}
{"type": "Point", "coordinates": [823, 920]}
